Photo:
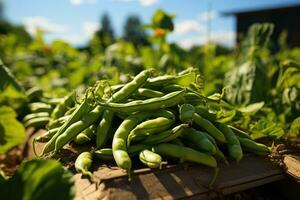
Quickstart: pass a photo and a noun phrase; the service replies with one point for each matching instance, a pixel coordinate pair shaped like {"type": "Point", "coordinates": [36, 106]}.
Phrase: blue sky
{"type": "Point", "coordinates": [76, 20]}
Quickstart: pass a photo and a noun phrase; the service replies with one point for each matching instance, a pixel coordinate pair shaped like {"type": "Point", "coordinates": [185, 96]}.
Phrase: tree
{"type": "Point", "coordinates": [105, 34]}
{"type": "Point", "coordinates": [1, 10]}
{"type": "Point", "coordinates": [133, 31]}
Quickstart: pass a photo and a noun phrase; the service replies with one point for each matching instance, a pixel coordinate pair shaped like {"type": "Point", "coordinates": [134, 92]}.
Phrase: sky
{"type": "Point", "coordinates": [76, 20]}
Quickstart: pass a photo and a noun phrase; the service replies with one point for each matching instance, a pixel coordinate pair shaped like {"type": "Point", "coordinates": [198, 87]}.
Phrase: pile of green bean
{"type": "Point", "coordinates": [154, 118]}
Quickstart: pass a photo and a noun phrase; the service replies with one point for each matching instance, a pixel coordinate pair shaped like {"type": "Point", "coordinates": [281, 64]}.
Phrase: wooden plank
{"type": "Point", "coordinates": [292, 163]}
{"type": "Point", "coordinates": [178, 183]}
{"type": "Point", "coordinates": [174, 181]}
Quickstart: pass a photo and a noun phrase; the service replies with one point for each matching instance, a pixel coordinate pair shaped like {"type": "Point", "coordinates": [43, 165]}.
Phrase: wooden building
{"type": "Point", "coordinates": [284, 18]}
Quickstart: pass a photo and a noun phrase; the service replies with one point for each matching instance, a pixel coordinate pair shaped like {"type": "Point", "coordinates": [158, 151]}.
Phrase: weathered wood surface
{"type": "Point", "coordinates": [173, 182]}
{"type": "Point", "coordinates": [292, 163]}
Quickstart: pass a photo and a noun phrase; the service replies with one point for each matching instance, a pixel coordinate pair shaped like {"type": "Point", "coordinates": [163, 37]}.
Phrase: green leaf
{"type": "Point", "coordinates": [252, 108]}
{"type": "Point", "coordinates": [12, 132]}
{"type": "Point", "coordinates": [295, 128]}
{"type": "Point", "coordinates": [266, 128]}
{"type": "Point", "coordinates": [7, 78]}
{"type": "Point", "coordinates": [39, 179]}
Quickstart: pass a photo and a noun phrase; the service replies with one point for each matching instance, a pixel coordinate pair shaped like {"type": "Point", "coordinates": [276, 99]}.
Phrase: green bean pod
{"type": "Point", "coordinates": [168, 100]}
{"type": "Point", "coordinates": [177, 141]}
{"type": "Point", "coordinates": [172, 88]}
{"type": "Point", "coordinates": [38, 107]}
{"type": "Point", "coordinates": [210, 128]}
{"type": "Point", "coordinates": [165, 136]}
{"type": "Point", "coordinates": [183, 80]}
{"type": "Point", "coordinates": [120, 95]}
{"type": "Point", "coordinates": [200, 141]}
{"type": "Point", "coordinates": [58, 122]}
{"type": "Point", "coordinates": [219, 154]}
{"type": "Point", "coordinates": [75, 116]}
{"type": "Point", "coordinates": [71, 132]}
{"type": "Point", "coordinates": [86, 135]}
{"type": "Point", "coordinates": [186, 113]}
{"type": "Point", "coordinates": [39, 122]}
{"type": "Point", "coordinates": [35, 115]}
{"type": "Point", "coordinates": [147, 93]}
{"type": "Point", "coordinates": [107, 153]}
{"type": "Point", "coordinates": [83, 164]}
{"type": "Point", "coordinates": [151, 159]}
{"type": "Point", "coordinates": [233, 144]}
{"type": "Point", "coordinates": [185, 154]}
{"type": "Point", "coordinates": [203, 112]}
{"type": "Point", "coordinates": [240, 133]}
{"type": "Point", "coordinates": [47, 135]}
{"type": "Point", "coordinates": [63, 106]}
{"type": "Point", "coordinates": [150, 127]}
{"type": "Point", "coordinates": [43, 138]}
{"type": "Point", "coordinates": [254, 147]}
{"type": "Point", "coordinates": [119, 144]}
{"type": "Point", "coordinates": [102, 131]}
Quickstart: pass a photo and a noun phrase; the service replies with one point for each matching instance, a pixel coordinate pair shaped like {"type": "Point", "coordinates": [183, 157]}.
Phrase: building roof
{"type": "Point", "coordinates": [285, 8]}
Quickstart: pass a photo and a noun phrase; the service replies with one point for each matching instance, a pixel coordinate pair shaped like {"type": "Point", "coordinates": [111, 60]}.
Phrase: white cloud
{"type": "Point", "coordinates": [74, 39]}
{"type": "Point", "coordinates": [79, 2]}
{"type": "Point", "coordinates": [90, 27]}
{"type": "Point", "coordinates": [205, 16]}
{"type": "Point", "coordinates": [188, 26]}
{"type": "Point", "coordinates": [148, 2]}
{"type": "Point", "coordinates": [32, 24]}
{"type": "Point", "coordinates": [226, 38]}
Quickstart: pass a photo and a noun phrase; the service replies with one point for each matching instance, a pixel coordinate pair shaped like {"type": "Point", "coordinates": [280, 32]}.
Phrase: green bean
{"type": "Point", "coordinates": [38, 107]}
{"type": "Point", "coordinates": [165, 136]}
{"type": "Point", "coordinates": [120, 138]}
{"type": "Point", "coordinates": [75, 116]}
{"type": "Point", "coordinates": [151, 126]}
{"type": "Point", "coordinates": [183, 80]}
{"type": "Point", "coordinates": [71, 110]}
{"type": "Point", "coordinates": [121, 95]}
{"type": "Point", "coordinates": [132, 86]}
{"type": "Point", "coordinates": [209, 127]}
{"type": "Point", "coordinates": [254, 147]}
{"type": "Point", "coordinates": [34, 93]}
{"type": "Point", "coordinates": [177, 141]}
{"type": "Point", "coordinates": [83, 164]}
{"type": "Point", "coordinates": [148, 93]}
{"type": "Point", "coordinates": [187, 154]}
{"type": "Point", "coordinates": [107, 153]}
{"type": "Point", "coordinates": [151, 159]}
{"type": "Point", "coordinates": [149, 104]}
{"type": "Point", "coordinates": [86, 135]}
{"type": "Point", "coordinates": [102, 131]}
{"type": "Point", "coordinates": [47, 135]}
{"type": "Point", "coordinates": [240, 133]}
{"type": "Point", "coordinates": [37, 122]}
{"type": "Point", "coordinates": [43, 138]}
{"type": "Point", "coordinates": [58, 122]}
{"type": "Point", "coordinates": [72, 131]}
{"type": "Point", "coordinates": [63, 106]}
{"type": "Point", "coordinates": [233, 144]}
{"type": "Point", "coordinates": [219, 154]}
{"type": "Point", "coordinates": [51, 101]}
{"type": "Point", "coordinates": [186, 113]}
{"type": "Point", "coordinates": [200, 141]}
{"type": "Point", "coordinates": [172, 88]}
{"type": "Point", "coordinates": [35, 115]}
{"type": "Point", "coordinates": [203, 112]}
